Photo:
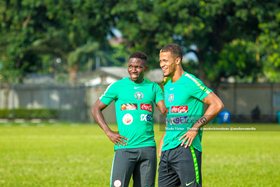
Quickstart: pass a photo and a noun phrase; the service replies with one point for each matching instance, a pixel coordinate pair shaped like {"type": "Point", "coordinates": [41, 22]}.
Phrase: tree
{"type": "Point", "coordinates": [231, 38]}
{"type": "Point", "coordinates": [37, 31]}
{"type": "Point", "coordinates": [269, 40]}
{"type": "Point", "coordinates": [229, 35]}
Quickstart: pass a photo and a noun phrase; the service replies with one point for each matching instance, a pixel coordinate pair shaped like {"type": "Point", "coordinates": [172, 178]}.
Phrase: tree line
{"type": "Point", "coordinates": [228, 38]}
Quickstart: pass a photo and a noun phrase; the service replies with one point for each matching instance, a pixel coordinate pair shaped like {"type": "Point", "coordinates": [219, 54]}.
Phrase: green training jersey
{"type": "Point", "coordinates": [134, 104]}
{"type": "Point", "coordinates": [183, 100]}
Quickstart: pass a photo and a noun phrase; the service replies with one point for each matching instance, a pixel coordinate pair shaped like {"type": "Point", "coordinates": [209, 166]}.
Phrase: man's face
{"type": "Point", "coordinates": [167, 63]}
{"type": "Point", "coordinates": [136, 68]}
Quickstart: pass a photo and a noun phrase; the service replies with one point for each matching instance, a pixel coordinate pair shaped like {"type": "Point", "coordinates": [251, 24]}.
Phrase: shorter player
{"type": "Point", "coordinates": [135, 147]}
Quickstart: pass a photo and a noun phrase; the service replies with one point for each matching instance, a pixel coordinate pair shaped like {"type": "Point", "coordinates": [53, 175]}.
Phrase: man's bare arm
{"type": "Point", "coordinates": [215, 105]}
{"type": "Point", "coordinates": [162, 108]}
{"type": "Point", "coordinates": [98, 116]}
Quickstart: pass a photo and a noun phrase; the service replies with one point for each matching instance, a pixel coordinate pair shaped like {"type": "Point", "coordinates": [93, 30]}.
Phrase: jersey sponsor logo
{"type": "Point", "coordinates": [146, 117]}
{"type": "Point", "coordinates": [178, 120]}
{"type": "Point", "coordinates": [138, 95]}
{"type": "Point", "coordinates": [136, 87]}
{"type": "Point", "coordinates": [179, 109]}
{"type": "Point", "coordinates": [171, 98]}
{"type": "Point", "coordinates": [147, 107]}
{"type": "Point", "coordinates": [127, 119]}
{"type": "Point", "coordinates": [129, 106]}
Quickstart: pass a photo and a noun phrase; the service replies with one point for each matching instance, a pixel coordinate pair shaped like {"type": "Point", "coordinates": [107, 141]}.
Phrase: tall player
{"type": "Point", "coordinates": [135, 147]}
{"type": "Point", "coordinates": [185, 96]}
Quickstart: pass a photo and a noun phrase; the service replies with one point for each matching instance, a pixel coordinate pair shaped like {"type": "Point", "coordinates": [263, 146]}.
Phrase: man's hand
{"type": "Point", "coordinates": [116, 138]}
{"type": "Point", "coordinates": [188, 137]}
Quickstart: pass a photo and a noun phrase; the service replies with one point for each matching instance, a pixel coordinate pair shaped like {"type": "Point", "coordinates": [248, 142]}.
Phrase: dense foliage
{"type": "Point", "coordinates": [228, 38]}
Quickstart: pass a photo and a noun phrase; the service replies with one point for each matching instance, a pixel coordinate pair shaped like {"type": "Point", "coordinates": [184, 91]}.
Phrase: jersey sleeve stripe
{"type": "Point", "coordinates": [106, 90]}
{"type": "Point", "coordinates": [204, 88]}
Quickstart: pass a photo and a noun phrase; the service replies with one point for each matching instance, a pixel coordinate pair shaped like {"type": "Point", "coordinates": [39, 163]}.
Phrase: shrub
{"type": "Point", "coordinates": [24, 113]}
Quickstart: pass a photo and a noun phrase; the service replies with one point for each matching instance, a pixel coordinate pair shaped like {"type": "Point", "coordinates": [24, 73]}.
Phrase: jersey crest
{"type": "Point", "coordinates": [138, 95]}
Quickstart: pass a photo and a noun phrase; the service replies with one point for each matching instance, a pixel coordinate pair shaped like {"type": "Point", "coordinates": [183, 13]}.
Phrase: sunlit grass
{"type": "Point", "coordinates": [81, 155]}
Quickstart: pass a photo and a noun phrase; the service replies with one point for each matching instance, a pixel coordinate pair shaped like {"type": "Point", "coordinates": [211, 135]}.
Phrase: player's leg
{"type": "Point", "coordinates": [122, 168]}
{"type": "Point", "coordinates": [167, 177]}
{"type": "Point", "coordinates": [145, 170]}
{"type": "Point", "coordinates": [187, 164]}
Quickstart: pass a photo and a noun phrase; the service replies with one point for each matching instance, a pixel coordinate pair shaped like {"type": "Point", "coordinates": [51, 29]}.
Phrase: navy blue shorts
{"type": "Point", "coordinates": [180, 167]}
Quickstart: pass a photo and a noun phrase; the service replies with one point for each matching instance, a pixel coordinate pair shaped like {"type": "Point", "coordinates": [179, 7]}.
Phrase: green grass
{"type": "Point", "coordinates": [81, 155]}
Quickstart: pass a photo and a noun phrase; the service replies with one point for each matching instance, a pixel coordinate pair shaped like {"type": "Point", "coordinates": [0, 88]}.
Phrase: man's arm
{"type": "Point", "coordinates": [162, 108]}
{"type": "Point", "coordinates": [215, 105]}
{"type": "Point", "coordinates": [160, 144]}
{"type": "Point", "coordinates": [98, 116]}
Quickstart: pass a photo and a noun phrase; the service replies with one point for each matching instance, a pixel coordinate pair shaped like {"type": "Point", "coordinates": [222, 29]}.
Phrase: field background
{"type": "Point", "coordinates": [81, 155]}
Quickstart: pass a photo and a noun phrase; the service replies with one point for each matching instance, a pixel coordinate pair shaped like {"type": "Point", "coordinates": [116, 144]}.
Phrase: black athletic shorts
{"type": "Point", "coordinates": [140, 163]}
{"type": "Point", "coordinates": [180, 167]}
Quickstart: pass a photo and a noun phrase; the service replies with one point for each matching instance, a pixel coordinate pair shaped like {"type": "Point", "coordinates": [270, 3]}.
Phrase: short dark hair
{"type": "Point", "coordinates": [175, 49]}
{"type": "Point", "coordinates": [139, 55]}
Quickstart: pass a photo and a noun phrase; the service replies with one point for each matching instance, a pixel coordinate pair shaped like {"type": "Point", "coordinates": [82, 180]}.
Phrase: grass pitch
{"type": "Point", "coordinates": [81, 155]}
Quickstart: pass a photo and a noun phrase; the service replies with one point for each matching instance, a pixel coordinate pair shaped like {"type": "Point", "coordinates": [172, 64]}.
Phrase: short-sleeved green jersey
{"type": "Point", "coordinates": [134, 104]}
{"type": "Point", "coordinates": [183, 100]}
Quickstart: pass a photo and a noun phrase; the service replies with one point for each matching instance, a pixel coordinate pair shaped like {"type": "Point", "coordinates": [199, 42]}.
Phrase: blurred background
{"type": "Point", "coordinates": [58, 56]}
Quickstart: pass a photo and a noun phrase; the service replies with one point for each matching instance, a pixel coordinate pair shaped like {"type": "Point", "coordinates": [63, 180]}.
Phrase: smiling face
{"type": "Point", "coordinates": [136, 68]}
{"type": "Point", "coordinates": [167, 63]}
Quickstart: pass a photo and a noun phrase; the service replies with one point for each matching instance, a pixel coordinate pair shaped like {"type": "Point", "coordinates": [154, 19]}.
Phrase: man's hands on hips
{"type": "Point", "coordinates": [188, 137]}
{"type": "Point", "coordinates": [116, 138]}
